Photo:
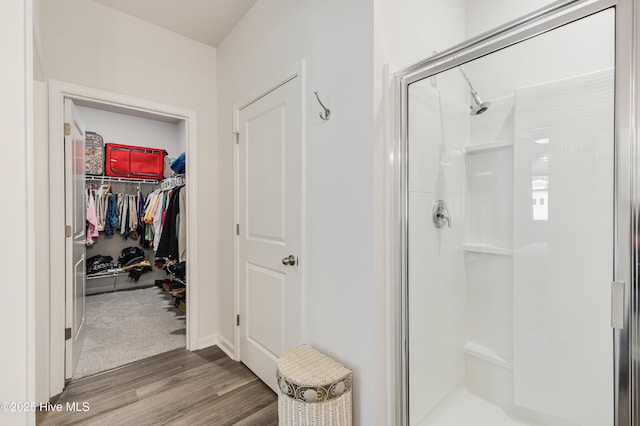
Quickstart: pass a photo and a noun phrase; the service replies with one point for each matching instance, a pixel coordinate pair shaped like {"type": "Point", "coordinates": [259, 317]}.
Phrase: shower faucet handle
{"type": "Point", "coordinates": [441, 215]}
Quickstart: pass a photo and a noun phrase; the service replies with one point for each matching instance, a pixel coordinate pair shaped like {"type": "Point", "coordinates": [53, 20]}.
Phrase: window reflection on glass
{"type": "Point", "coordinates": [540, 188]}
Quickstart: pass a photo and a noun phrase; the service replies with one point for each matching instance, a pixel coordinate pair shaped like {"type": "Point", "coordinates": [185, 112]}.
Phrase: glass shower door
{"type": "Point", "coordinates": [510, 234]}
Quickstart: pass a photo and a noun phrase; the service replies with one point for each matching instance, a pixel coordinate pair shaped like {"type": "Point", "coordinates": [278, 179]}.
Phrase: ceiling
{"type": "Point", "coordinates": [206, 21]}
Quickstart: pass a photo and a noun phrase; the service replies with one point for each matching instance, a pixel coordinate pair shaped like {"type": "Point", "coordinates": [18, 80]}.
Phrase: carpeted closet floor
{"type": "Point", "coordinates": [127, 326]}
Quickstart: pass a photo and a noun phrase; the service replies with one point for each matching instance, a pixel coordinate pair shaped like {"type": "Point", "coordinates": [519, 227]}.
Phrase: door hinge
{"type": "Point", "coordinates": [67, 333]}
{"type": "Point", "coordinates": [67, 129]}
{"type": "Point", "coordinates": [237, 229]}
{"type": "Point", "coordinates": [236, 135]}
{"type": "Point", "coordinates": [238, 319]}
{"type": "Point", "coordinates": [67, 231]}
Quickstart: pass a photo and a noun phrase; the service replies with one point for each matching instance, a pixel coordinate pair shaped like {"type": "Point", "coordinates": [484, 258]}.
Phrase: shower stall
{"type": "Point", "coordinates": [517, 202]}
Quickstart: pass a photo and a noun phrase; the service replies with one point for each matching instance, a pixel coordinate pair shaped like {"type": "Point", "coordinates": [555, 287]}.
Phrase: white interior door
{"type": "Point", "coordinates": [269, 237]}
{"type": "Point", "coordinates": [74, 143]}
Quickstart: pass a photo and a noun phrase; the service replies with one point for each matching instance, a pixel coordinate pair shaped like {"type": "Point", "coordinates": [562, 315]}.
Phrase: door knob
{"type": "Point", "coordinates": [289, 260]}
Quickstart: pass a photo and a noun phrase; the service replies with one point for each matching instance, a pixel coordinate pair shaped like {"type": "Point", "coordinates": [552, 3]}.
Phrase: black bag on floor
{"type": "Point", "coordinates": [98, 263]}
{"type": "Point", "coordinates": [131, 255]}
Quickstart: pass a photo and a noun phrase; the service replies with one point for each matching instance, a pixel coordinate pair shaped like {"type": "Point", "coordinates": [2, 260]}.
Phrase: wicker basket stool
{"type": "Point", "coordinates": [313, 389]}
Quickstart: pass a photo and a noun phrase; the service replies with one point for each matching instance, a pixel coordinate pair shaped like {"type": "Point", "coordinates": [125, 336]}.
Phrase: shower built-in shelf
{"type": "Point", "coordinates": [486, 147]}
{"type": "Point", "coordinates": [487, 249]}
{"type": "Point", "coordinates": [488, 355]}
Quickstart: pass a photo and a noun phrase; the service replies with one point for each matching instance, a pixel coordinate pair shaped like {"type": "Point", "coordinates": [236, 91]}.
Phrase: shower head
{"type": "Point", "coordinates": [477, 106]}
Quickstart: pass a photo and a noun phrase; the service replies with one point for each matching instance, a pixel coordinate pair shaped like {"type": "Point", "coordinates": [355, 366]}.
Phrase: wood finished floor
{"type": "Point", "coordinates": [180, 388]}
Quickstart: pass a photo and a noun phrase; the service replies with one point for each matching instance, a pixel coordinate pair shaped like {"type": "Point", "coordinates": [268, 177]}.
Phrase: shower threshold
{"type": "Point", "coordinates": [464, 408]}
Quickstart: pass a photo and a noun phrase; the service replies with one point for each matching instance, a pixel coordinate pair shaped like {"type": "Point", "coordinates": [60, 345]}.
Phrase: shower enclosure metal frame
{"type": "Point", "coordinates": [626, 208]}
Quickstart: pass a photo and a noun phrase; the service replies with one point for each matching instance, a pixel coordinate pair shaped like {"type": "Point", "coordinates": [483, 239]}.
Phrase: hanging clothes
{"type": "Point", "coordinates": [122, 205]}
{"type": "Point", "coordinates": [168, 246]}
{"type": "Point", "coordinates": [158, 216]}
{"type": "Point", "coordinates": [182, 227]}
{"type": "Point", "coordinates": [151, 216]}
{"type": "Point", "coordinates": [101, 199]}
{"type": "Point", "coordinates": [140, 225]}
{"type": "Point", "coordinates": [128, 213]}
{"type": "Point", "coordinates": [92, 219]}
{"type": "Point", "coordinates": [146, 218]}
{"type": "Point", "coordinates": [162, 223]}
{"type": "Point", "coordinates": [111, 221]}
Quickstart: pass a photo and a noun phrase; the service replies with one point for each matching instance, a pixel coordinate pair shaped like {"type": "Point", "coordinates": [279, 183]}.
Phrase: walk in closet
{"type": "Point", "coordinates": [125, 129]}
{"type": "Point", "coordinates": [135, 275]}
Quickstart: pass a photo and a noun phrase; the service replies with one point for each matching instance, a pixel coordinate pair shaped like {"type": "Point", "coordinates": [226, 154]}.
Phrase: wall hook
{"type": "Point", "coordinates": [327, 112]}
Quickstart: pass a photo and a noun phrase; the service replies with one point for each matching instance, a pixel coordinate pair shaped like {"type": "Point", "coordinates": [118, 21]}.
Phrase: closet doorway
{"type": "Point", "coordinates": [68, 302]}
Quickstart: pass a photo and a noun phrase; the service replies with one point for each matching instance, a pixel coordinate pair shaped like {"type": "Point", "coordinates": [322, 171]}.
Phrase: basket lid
{"type": "Point", "coordinates": [309, 367]}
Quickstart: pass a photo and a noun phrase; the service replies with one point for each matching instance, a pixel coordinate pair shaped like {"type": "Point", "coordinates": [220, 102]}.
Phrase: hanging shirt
{"type": "Point", "coordinates": [182, 226]}
{"type": "Point", "coordinates": [102, 197]}
{"type": "Point", "coordinates": [168, 246]}
{"type": "Point", "coordinates": [111, 221]}
{"type": "Point", "coordinates": [92, 220]}
{"type": "Point", "coordinates": [157, 219]}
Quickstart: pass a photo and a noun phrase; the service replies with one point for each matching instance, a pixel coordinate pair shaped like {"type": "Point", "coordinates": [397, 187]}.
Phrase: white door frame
{"type": "Point", "coordinates": [298, 71]}
{"type": "Point", "coordinates": [75, 248]}
{"type": "Point", "coordinates": [58, 91]}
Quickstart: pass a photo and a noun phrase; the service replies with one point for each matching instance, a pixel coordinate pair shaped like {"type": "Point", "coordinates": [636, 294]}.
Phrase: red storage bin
{"type": "Point", "coordinates": [134, 161]}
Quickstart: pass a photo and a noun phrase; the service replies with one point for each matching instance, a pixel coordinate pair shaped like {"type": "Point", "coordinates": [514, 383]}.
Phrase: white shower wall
{"type": "Point", "coordinates": [477, 319]}
{"type": "Point", "coordinates": [563, 263]}
{"type": "Point", "coordinates": [488, 255]}
{"type": "Point", "coordinates": [437, 292]}
{"type": "Point", "coordinates": [537, 311]}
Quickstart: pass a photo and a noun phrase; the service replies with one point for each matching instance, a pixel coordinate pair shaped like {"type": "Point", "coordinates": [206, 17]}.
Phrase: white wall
{"type": "Point", "coordinates": [486, 15]}
{"type": "Point", "coordinates": [343, 310]}
{"type": "Point", "coordinates": [89, 44]}
{"type": "Point", "coordinates": [408, 31]}
{"type": "Point", "coordinates": [41, 170]}
{"type": "Point", "coordinates": [41, 177]}
{"type": "Point", "coordinates": [17, 314]}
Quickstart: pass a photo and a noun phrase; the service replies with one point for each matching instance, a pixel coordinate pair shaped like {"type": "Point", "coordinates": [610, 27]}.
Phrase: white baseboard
{"type": "Point", "coordinates": [227, 347]}
{"type": "Point", "coordinates": [207, 341]}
